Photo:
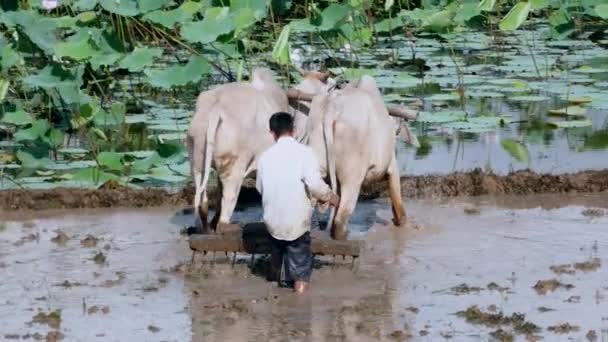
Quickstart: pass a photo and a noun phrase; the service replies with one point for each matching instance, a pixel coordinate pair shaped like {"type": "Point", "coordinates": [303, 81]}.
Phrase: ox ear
{"type": "Point", "coordinates": [406, 134]}
{"type": "Point", "coordinates": [323, 76]}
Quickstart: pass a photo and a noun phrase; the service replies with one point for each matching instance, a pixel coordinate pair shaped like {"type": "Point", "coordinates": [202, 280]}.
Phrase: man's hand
{"type": "Point", "coordinates": [334, 200]}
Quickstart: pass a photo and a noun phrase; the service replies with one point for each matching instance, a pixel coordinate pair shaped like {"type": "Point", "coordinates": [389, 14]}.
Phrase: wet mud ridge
{"type": "Point", "coordinates": [473, 183]}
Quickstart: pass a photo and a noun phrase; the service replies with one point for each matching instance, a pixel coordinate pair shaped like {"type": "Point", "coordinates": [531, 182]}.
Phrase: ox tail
{"type": "Point", "coordinates": [214, 122]}
{"type": "Point", "coordinates": [201, 167]}
{"type": "Point", "coordinates": [328, 134]}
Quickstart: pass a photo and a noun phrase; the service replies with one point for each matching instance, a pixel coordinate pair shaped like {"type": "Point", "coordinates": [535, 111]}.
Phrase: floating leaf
{"type": "Point", "coordinates": [516, 16]}
{"type": "Point", "coordinates": [9, 58]}
{"type": "Point", "coordinates": [209, 29]}
{"type": "Point", "coordinates": [78, 50]}
{"type": "Point", "coordinates": [280, 52]}
{"type": "Point", "coordinates": [258, 7]}
{"type": "Point", "coordinates": [482, 94]}
{"type": "Point", "coordinates": [30, 162]}
{"type": "Point", "coordinates": [177, 75]}
{"type": "Point", "coordinates": [444, 97]}
{"type": "Point", "coordinates": [571, 123]}
{"type": "Point", "coordinates": [516, 150]}
{"type": "Point", "coordinates": [530, 98]}
{"type": "Point", "coordinates": [37, 130]}
{"type": "Point", "coordinates": [93, 176]}
{"type": "Point", "coordinates": [580, 99]}
{"type": "Point", "coordinates": [140, 58]}
{"type": "Point", "coordinates": [181, 15]}
{"type": "Point", "coordinates": [590, 70]}
{"type": "Point", "coordinates": [110, 160]}
{"type": "Point", "coordinates": [166, 174]}
{"type": "Point", "coordinates": [125, 8]}
{"type": "Point", "coordinates": [602, 11]}
{"type": "Point", "coordinates": [143, 165]}
{"type": "Point", "coordinates": [55, 137]}
{"type": "Point", "coordinates": [104, 59]}
{"type": "Point", "coordinates": [332, 16]}
{"type": "Point", "coordinates": [146, 6]}
{"type": "Point", "coordinates": [538, 4]}
{"type": "Point", "coordinates": [18, 118]}
{"type": "Point", "coordinates": [570, 110]}
{"type": "Point", "coordinates": [441, 117]}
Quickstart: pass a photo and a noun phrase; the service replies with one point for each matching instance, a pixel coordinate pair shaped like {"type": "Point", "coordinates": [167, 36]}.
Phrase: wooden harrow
{"type": "Point", "coordinates": [253, 238]}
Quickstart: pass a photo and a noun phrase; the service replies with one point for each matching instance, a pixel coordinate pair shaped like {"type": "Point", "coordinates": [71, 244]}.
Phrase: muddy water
{"type": "Point", "coordinates": [409, 282]}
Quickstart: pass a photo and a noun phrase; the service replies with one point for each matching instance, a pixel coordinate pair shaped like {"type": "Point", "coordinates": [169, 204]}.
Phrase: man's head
{"type": "Point", "coordinates": [281, 125]}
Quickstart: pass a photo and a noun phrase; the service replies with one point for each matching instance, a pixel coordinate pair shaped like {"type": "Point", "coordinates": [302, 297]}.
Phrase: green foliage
{"type": "Point", "coordinates": [280, 52]}
{"type": "Point", "coordinates": [516, 150]}
{"type": "Point", "coordinates": [179, 75]}
{"type": "Point", "coordinates": [516, 16]}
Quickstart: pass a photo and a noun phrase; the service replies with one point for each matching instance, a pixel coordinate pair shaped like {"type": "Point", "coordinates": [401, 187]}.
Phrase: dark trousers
{"type": "Point", "coordinates": [291, 260]}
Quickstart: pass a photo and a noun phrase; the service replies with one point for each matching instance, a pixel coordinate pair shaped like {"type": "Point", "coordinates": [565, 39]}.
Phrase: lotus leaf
{"type": "Point", "coordinates": [516, 149]}
{"type": "Point", "coordinates": [125, 8]}
{"type": "Point", "coordinates": [441, 117]}
{"type": "Point", "coordinates": [257, 7]}
{"type": "Point", "coordinates": [180, 15]}
{"type": "Point", "coordinates": [444, 97]}
{"type": "Point", "coordinates": [76, 50]}
{"type": "Point", "coordinates": [93, 175]}
{"type": "Point", "coordinates": [9, 58]}
{"type": "Point", "coordinates": [140, 58]}
{"type": "Point", "coordinates": [570, 110]}
{"type": "Point", "coordinates": [146, 6]}
{"type": "Point", "coordinates": [571, 123]}
{"type": "Point", "coordinates": [215, 24]}
{"type": "Point", "coordinates": [54, 137]}
{"type": "Point", "coordinates": [280, 52]}
{"type": "Point", "coordinates": [72, 165]}
{"type": "Point", "coordinates": [37, 130]}
{"type": "Point", "coordinates": [111, 160]}
{"type": "Point", "coordinates": [18, 118]}
{"type": "Point", "coordinates": [28, 161]}
{"type": "Point", "coordinates": [602, 11]}
{"type": "Point", "coordinates": [178, 75]}
{"type": "Point", "coordinates": [530, 98]}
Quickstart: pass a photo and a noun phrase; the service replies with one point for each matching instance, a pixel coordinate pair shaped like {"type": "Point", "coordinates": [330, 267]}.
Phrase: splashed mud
{"type": "Point", "coordinates": [407, 285]}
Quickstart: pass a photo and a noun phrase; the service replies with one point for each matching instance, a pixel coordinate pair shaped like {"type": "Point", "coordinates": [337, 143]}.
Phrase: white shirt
{"type": "Point", "coordinates": [288, 173]}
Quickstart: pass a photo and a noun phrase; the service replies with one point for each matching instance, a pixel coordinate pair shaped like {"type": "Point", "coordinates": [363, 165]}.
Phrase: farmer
{"type": "Point", "coordinates": [288, 174]}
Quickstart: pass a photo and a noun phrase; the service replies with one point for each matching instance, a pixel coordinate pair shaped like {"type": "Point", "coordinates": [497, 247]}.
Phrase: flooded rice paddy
{"type": "Point", "coordinates": [478, 269]}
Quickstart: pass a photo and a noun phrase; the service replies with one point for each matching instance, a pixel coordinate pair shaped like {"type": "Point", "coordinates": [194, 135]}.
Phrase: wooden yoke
{"type": "Point", "coordinates": [397, 111]}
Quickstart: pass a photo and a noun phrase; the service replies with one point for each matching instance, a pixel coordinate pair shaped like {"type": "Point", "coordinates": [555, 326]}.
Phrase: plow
{"type": "Point", "coordinates": [254, 239]}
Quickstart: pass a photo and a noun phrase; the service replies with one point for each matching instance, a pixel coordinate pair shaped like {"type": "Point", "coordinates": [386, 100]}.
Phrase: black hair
{"type": "Point", "coordinates": [281, 123]}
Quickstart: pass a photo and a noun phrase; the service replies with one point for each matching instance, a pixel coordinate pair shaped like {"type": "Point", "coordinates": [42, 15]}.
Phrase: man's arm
{"type": "Point", "coordinates": [312, 178]}
{"type": "Point", "coordinates": [258, 177]}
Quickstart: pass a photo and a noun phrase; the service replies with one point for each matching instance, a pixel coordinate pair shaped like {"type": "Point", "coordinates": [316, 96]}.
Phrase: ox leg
{"type": "Point", "coordinates": [218, 205]}
{"type": "Point", "coordinates": [349, 193]}
{"type": "Point", "coordinates": [394, 187]}
{"type": "Point", "coordinates": [203, 212]}
{"type": "Point", "coordinates": [231, 186]}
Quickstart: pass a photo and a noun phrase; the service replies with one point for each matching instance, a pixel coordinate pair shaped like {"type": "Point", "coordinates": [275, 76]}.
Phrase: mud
{"type": "Point", "coordinates": [473, 183]}
{"type": "Point", "coordinates": [408, 284]}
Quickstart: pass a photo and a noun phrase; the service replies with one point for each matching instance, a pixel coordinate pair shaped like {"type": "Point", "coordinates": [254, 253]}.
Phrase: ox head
{"type": "Point", "coordinates": [315, 82]}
